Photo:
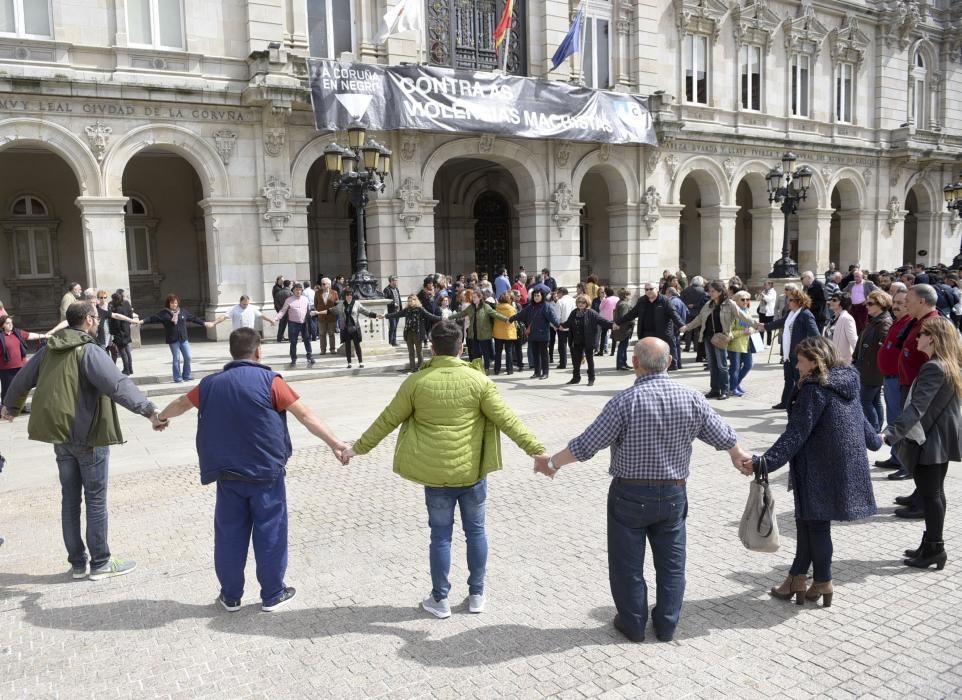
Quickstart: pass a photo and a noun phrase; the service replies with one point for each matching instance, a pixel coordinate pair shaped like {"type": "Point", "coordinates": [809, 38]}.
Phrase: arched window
{"type": "Point", "coordinates": [918, 91]}
{"type": "Point", "coordinates": [30, 226]}
{"type": "Point", "coordinates": [139, 236]}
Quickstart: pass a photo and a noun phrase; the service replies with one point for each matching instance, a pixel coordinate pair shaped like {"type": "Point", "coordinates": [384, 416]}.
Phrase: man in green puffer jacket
{"type": "Point", "coordinates": [451, 416]}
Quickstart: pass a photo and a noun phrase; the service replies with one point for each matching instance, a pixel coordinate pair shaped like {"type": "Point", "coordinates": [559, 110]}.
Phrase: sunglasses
{"type": "Point", "coordinates": [649, 289]}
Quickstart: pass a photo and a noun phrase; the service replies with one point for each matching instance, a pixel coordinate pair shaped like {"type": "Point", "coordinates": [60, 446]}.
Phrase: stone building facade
{"type": "Point", "coordinates": [170, 147]}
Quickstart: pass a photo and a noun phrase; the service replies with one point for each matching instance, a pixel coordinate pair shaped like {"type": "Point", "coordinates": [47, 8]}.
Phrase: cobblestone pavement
{"type": "Point", "coordinates": [358, 558]}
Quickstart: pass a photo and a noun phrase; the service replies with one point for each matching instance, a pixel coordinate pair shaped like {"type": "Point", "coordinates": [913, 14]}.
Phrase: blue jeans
{"type": "Point", "coordinates": [893, 404]}
{"type": "Point", "coordinates": [813, 548]}
{"type": "Point", "coordinates": [872, 406]}
{"type": "Point", "coordinates": [392, 331]}
{"type": "Point", "coordinates": [739, 365]}
{"type": "Point", "coordinates": [246, 513]}
{"type": "Point", "coordinates": [657, 513]}
{"type": "Point", "coordinates": [675, 344]}
{"type": "Point", "coordinates": [718, 365]}
{"type": "Point", "coordinates": [440, 502]}
{"type": "Point", "coordinates": [83, 477]}
{"type": "Point", "coordinates": [481, 348]}
{"type": "Point", "coordinates": [178, 349]}
{"type": "Point", "coordinates": [621, 356]}
{"type": "Point", "coordinates": [302, 330]}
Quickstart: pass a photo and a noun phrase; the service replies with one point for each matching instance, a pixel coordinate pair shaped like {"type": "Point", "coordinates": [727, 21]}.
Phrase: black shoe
{"type": "Point", "coordinates": [722, 396]}
{"type": "Point", "coordinates": [286, 596]}
{"type": "Point", "coordinates": [591, 382]}
{"type": "Point", "coordinates": [543, 376]}
{"type": "Point", "coordinates": [561, 367]}
{"type": "Point", "coordinates": [712, 395]}
{"type": "Point", "coordinates": [899, 476]}
{"type": "Point", "coordinates": [779, 407]}
{"type": "Point", "coordinates": [574, 380]}
{"type": "Point", "coordinates": [909, 513]}
{"type": "Point", "coordinates": [310, 362]}
{"type": "Point", "coordinates": [904, 500]}
{"type": "Point", "coordinates": [636, 638]}
{"type": "Point", "coordinates": [912, 553]}
{"type": "Point", "coordinates": [887, 464]}
{"type": "Point", "coordinates": [932, 553]}
{"type": "Point", "coordinates": [229, 604]}
{"type": "Point", "coordinates": [535, 376]}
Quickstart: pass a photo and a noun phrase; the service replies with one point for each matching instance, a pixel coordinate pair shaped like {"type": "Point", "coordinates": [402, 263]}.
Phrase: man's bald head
{"type": "Point", "coordinates": [651, 356]}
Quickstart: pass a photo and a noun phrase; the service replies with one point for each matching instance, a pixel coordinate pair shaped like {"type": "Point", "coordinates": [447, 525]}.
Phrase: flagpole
{"type": "Point", "coordinates": [584, 28]}
{"type": "Point", "coordinates": [507, 41]}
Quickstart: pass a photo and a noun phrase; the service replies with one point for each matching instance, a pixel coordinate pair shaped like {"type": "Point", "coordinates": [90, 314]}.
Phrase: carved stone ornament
{"type": "Point", "coordinates": [652, 160]}
{"type": "Point", "coordinates": [895, 213]}
{"type": "Point", "coordinates": [729, 165]}
{"type": "Point", "coordinates": [650, 214]}
{"type": "Point", "coordinates": [276, 192]}
{"type": "Point", "coordinates": [224, 141]}
{"type": "Point", "coordinates": [804, 34]}
{"type": "Point", "coordinates": [867, 176]}
{"type": "Point", "coordinates": [604, 153]}
{"type": "Point", "coordinates": [671, 162]}
{"type": "Point", "coordinates": [849, 43]}
{"type": "Point", "coordinates": [754, 24]}
{"type": "Point", "coordinates": [623, 23]}
{"type": "Point", "coordinates": [98, 134]}
{"type": "Point", "coordinates": [827, 173]}
{"type": "Point", "coordinates": [898, 21]}
{"type": "Point", "coordinates": [486, 143]}
{"type": "Point", "coordinates": [701, 16]}
{"type": "Point", "coordinates": [409, 148]}
{"type": "Point", "coordinates": [562, 154]}
{"type": "Point", "coordinates": [410, 195]}
{"type": "Point", "coordinates": [563, 213]}
{"type": "Point", "coordinates": [274, 140]}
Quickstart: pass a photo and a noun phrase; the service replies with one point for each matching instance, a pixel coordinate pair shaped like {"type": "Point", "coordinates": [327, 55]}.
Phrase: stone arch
{"type": "Point", "coordinates": [623, 186]}
{"type": "Point", "coordinates": [931, 199]}
{"type": "Point", "coordinates": [516, 159]}
{"type": "Point", "coordinates": [710, 178]}
{"type": "Point", "coordinates": [195, 150]}
{"type": "Point", "coordinates": [851, 188]}
{"type": "Point", "coordinates": [480, 184]}
{"type": "Point", "coordinates": [53, 137]}
{"type": "Point", "coordinates": [753, 172]}
{"type": "Point", "coordinates": [305, 158]}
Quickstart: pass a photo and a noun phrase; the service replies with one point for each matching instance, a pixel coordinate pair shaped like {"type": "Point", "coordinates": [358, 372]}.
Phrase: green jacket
{"type": "Point", "coordinates": [481, 326]}
{"type": "Point", "coordinates": [451, 416]}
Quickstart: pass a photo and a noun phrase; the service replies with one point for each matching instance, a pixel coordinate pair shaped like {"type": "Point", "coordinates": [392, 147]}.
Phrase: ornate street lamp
{"type": "Point", "coordinates": [787, 187]}
{"type": "Point", "coordinates": [359, 169]}
{"type": "Point", "coordinates": [953, 202]}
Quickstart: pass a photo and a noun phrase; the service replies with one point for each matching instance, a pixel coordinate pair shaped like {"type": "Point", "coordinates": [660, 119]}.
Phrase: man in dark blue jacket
{"type": "Point", "coordinates": [243, 444]}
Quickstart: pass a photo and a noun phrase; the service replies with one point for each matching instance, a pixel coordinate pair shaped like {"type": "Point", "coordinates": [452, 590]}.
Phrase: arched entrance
{"type": "Point", "coordinates": [43, 240]}
{"type": "Point", "coordinates": [910, 239]}
{"type": "Point", "coordinates": [492, 233]}
{"type": "Point", "coordinates": [844, 231]}
{"type": "Point", "coordinates": [165, 234]}
{"type": "Point", "coordinates": [331, 226]}
{"type": "Point", "coordinates": [743, 230]}
{"type": "Point", "coordinates": [594, 234]}
{"type": "Point", "coordinates": [700, 236]}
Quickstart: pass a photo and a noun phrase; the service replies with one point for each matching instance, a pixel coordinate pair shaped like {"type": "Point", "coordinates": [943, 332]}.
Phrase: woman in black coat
{"type": "Point", "coordinates": [538, 319]}
{"type": "Point", "coordinates": [582, 324]}
{"type": "Point", "coordinates": [797, 325]}
{"type": "Point", "coordinates": [175, 320]}
{"type": "Point", "coordinates": [120, 330]}
{"type": "Point", "coordinates": [927, 434]}
{"type": "Point", "coordinates": [866, 355]}
{"type": "Point", "coordinates": [824, 444]}
{"type": "Point", "coordinates": [415, 330]}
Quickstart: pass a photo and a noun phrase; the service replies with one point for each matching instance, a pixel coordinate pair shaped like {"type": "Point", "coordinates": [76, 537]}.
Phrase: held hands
{"type": "Point", "coordinates": [159, 421]}
{"type": "Point", "coordinates": [344, 452]}
{"type": "Point", "coordinates": [7, 415]}
{"type": "Point", "coordinates": [209, 324]}
{"type": "Point", "coordinates": [742, 461]}
{"type": "Point", "coordinates": [541, 466]}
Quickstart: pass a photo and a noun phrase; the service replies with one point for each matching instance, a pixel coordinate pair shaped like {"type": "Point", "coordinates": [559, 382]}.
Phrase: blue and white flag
{"type": "Point", "coordinates": [571, 44]}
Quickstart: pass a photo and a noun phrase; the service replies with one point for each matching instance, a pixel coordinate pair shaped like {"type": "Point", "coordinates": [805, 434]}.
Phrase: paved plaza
{"type": "Point", "coordinates": [358, 540]}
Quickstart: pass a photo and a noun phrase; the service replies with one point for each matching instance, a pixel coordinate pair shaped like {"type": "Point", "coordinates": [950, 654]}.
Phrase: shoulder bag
{"type": "Point", "coordinates": [758, 529]}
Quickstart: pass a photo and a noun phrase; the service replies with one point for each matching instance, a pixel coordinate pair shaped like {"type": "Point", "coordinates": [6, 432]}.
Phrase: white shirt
{"type": "Point", "coordinates": [244, 318]}
{"type": "Point", "coordinates": [309, 294]}
{"type": "Point", "coordinates": [787, 334]}
{"type": "Point", "coordinates": [566, 305]}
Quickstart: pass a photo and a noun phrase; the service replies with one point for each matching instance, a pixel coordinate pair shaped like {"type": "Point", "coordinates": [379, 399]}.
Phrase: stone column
{"type": "Point", "coordinates": [854, 243]}
{"type": "Point", "coordinates": [767, 233]}
{"type": "Point", "coordinates": [665, 237]}
{"type": "Point", "coordinates": [105, 242]}
{"type": "Point", "coordinates": [717, 242]}
{"type": "Point", "coordinates": [928, 237]}
{"type": "Point", "coordinates": [623, 245]}
{"type": "Point", "coordinates": [238, 261]}
{"type": "Point", "coordinates": [549, 238]}
{"type": "Point", "coordinates": [814, 237]}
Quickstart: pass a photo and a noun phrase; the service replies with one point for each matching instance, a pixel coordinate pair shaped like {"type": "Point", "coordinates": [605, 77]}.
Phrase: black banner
{"type": "Point", "coordinates": [384, 98]}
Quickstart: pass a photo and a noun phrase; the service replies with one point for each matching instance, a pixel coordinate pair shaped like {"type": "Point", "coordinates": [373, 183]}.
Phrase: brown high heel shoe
{"type": "Point", "coordinates": [790, 586]}
{"type": "Point", "coordinates": [823, 589]}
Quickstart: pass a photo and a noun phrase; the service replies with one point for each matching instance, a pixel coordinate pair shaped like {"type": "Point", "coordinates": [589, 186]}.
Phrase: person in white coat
{"type": "Point", "coordinates": [842, 331]}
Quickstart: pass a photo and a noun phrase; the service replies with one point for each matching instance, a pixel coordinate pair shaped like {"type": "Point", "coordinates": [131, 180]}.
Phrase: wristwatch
{"type": "Point", "coordinates": [552, 464]}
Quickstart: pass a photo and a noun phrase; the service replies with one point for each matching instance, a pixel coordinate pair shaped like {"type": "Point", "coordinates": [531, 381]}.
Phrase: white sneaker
{"type": "Point", "coordinates": [439, 608]}
{"type": "Point", "coordinates": [476, 603]}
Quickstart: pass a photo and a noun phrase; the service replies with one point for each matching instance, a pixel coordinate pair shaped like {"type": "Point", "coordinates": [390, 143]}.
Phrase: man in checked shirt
{"type": "Point", "coordinates": [650, 428]}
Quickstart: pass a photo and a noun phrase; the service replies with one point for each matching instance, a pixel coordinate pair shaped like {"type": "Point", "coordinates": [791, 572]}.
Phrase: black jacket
{"type": "Point", "coordinates": [665, 316]}
{"type": "Point", "coordinates": [394, 295]}
{"type": "Point", "coordinates": [819, 307]}
{"type": "Point", "coordinates": [174, 333]}
{"type": "Point", "coordinates": [804, 327]}
{"type": "Point", "coordinates": [414, 317]}
{"type": "Point", "coordinates": [592, 320]}
{"type": "Point", "coordinates": [694, 298]}
{"type": "Point", "coordinates": [120, 330]}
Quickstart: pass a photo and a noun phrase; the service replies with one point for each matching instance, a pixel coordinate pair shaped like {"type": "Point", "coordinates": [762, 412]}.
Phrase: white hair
{"type": "Point", "coordinates": [653, 359]}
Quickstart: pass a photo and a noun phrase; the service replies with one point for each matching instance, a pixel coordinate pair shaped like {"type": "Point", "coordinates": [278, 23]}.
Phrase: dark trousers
{"type": "Point", "coordinates": [766, 320]}
{"type": "Point", "coordinates": [813, 548]}
{"type": "Point", "coordinates": [414, 349]}
{"type": "Point", "coordinates": [508, 348]}
{"type": "Point", "coordinates": [577, 352]}
{"type": "Point", "coordinates": [675, 344]}
{"type": "Point", "coordinates": [871, 397]}
{"type": "Point", "coordinates": [602, 339]}
{"type": "Point", "coordinates": [126, 359]}
{"type": "Point", "coordinates": [281, 327]}
{"type": "Point", "coordinates": [539, 354]}
{"type": "Point", "coordinates": [519, 352]}
{"type": "Point", "coordinates": [6, 379]}
{"type": "Point", "coordinates": [655, 514]}
{"type": "Point", "coordinates": [930, 487]}
{"type": "Point", "coordinates": [564, 341]}
{"type": "Point", "coordinates": [295, 330]}
{"type": "Point", "coordinates": [246, 513]}
{"type": "Point", "coordinates": [481, 348]}
{"type": "Point", "coordinates": [83, 481]}
{"type": "Point", "coordinates": [352, 336]}
{"type": "Point", "coordinates": [791, 377]}
{"type": "Point", "coordinates": [718, 366]}
{"type": "Point", "coordinates": [392, 331]}
{"type": "Point", "coordinates": [621, 360]}
{"type": "Point", "coordinates": [552, 337]}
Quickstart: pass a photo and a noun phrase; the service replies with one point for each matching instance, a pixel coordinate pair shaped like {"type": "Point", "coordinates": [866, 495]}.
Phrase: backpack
{"type": "Point", "coordinates": [946, 299]}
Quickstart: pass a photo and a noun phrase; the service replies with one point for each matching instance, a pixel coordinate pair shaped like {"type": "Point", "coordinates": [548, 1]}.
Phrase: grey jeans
{"type": "Point", "coordinates": [83, 476]}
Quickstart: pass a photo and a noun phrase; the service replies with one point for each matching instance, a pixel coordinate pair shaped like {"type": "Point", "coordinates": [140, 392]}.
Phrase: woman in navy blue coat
{"type": "Point", "coordinates": [824, 444]}
{"type": "Point", "coordinates": [538, 319]}
{"type": "Point", "coordinates": [796, 325]}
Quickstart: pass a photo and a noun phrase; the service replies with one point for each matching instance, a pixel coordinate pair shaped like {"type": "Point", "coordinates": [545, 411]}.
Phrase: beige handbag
{"type": "Point", "coordinates": [758, 529]}
{"type": "Point", "coordinates": [720, 341]}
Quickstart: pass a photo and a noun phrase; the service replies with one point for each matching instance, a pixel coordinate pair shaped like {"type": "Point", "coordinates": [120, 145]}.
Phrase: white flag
{"type": "Point", "coordinates": [403, 17]}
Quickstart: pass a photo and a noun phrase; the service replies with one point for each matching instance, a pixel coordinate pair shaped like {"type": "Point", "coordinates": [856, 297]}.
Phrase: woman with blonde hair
{"type": "Point", "coordinates": [824, 445]}
{"type": "Point", "coordinates": [739, 350]}
{"type": "Point", "coordinates": [927, 434]}
{"type": "Point", "coordinates": [505, 334]}
{"type": "Point", "coordinates": [582, 324]}
{"type": "Point", "coordinates": [415, 329]}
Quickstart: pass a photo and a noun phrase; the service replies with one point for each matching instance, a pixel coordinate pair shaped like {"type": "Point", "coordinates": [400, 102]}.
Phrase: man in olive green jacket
{"type": "Point", "coordinates": [451, 416]}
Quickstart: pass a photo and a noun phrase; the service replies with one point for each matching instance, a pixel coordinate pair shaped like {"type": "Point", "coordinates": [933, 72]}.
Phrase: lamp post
{"type": "Point", "coordinates": [787, 187]}
{"type": "Point", "coordinates": [953, 202]}
{"type": "Point", "coordinates": [359, 169]}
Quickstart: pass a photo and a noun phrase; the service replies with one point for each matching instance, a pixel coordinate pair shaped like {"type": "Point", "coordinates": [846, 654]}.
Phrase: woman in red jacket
{"type": "Point", "coordinates": [13, 351]}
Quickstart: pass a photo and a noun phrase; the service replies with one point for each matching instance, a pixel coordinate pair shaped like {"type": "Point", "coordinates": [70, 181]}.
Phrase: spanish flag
{"type": "Point", "coordinates": [504, 24]}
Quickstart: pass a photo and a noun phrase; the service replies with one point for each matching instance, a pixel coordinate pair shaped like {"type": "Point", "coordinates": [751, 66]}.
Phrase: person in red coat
{"type": "Point", "coordinates": [888, 364]}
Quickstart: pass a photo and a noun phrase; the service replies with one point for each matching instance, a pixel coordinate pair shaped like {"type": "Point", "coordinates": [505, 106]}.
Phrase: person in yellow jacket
{"type": "Point", "coordinates": [505, 334]}
{"type": "Point", "coordinates": [451, 416]}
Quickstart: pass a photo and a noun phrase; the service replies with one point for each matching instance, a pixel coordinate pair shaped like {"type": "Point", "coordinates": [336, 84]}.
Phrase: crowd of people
{"type": "Point", "coordinates": [867, 359]}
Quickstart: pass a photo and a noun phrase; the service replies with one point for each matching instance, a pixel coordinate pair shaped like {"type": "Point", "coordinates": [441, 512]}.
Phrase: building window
{"type": "Point", "coordinates": [844, 92]}
{"type": "Point", "coordinates": [597, 55]}
{"type": "Point", "coordinates": [696, 68]}
{"type": "Point", "coordinates": [32, 253]}
{"type": "Point", "coordinates": [460, 34]}
{"type": "Point", "coordinates": [920, 96]}
{"type": "Point", "coordinates": [800, 84]}
{"type": "Point", "coordinates": [155, 23]}
{"type": "Point", "coordinates": [330, 27]}
{"type": "Point", "coordinates": [751, 77]}
{"type": "Point", "coordinates": [138, 236]}
{"type": "Point", "coordinates": [27, 18]}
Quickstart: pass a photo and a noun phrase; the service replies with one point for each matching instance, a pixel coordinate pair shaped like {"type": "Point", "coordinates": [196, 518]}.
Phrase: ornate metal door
{"type": "Point", "coordinates": [460, 34]}
{"type": "Point", "coordinates": [492, 233]}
